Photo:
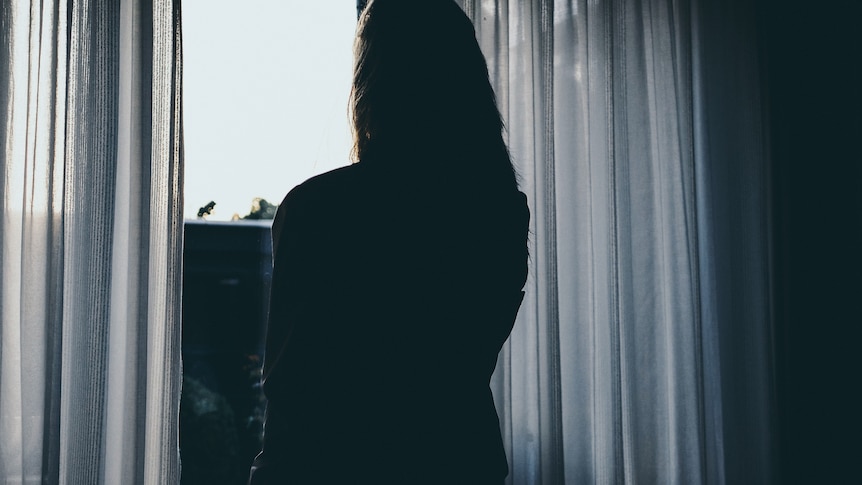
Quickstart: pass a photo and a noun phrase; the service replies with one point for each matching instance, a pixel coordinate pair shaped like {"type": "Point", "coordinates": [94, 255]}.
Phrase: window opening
{"type": "Point", "coordinates": [266, 86]}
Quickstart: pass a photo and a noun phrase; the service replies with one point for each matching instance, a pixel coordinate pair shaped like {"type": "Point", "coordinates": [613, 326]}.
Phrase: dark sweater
{"type": "Point", "coordinates": [392, 295]}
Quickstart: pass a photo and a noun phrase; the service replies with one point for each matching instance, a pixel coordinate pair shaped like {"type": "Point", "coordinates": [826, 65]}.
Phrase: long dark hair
{"type": "Point", "coordinates": [421, 91]}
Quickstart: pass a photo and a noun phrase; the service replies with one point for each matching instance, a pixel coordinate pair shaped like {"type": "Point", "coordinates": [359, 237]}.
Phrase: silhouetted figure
{"type": "Point", "coordinates": [397, 279]}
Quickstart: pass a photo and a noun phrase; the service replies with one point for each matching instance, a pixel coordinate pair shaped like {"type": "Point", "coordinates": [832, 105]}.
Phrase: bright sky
{"type": "Point", "coordinates": [266, 85]}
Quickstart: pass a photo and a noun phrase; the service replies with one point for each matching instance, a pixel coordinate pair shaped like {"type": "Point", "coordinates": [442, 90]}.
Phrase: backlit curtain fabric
{"type": "Point", "coordinates": [90, 241]}
{"type": "Point", "coordinates": [642, 351]}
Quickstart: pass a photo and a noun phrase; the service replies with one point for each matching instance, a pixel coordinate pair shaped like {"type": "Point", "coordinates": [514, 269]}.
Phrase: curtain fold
{"type": "Point", "coordinates": [91, 241]}
{"type": "Point", "coordinates": [641, 353]}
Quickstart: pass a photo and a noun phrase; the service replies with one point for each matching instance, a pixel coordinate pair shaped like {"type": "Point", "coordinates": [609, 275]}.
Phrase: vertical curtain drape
{"type": "Point", "coordinates": [642, 351]}
{"type": "Point", "coordinates": [90, 241]}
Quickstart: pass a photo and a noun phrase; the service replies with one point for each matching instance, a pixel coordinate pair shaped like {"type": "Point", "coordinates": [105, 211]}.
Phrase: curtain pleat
{"type": "Point", "coordinates": [91, 152]}
{"type": "Point", "coordinates": [641, 352]}
{"type": "Point", "coordinates": [32, 96]}
{"type": "Point", "coordinates": [91, 242]}
{"type": "Point", "coordinates": [164, 353]}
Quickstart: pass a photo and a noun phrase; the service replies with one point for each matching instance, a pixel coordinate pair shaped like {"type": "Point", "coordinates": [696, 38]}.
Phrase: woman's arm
{"type": "Point", "coordinates": [287, 235]}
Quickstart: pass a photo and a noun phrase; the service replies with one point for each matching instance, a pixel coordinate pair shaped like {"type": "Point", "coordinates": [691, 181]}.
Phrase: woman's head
{"type": "Point", "coordinates": [421, 83]}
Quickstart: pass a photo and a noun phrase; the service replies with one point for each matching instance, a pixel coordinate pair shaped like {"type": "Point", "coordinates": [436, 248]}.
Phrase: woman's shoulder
{"type": "Point", "coordinates": [333, 180]}
{"type": "Point", "coordinates": [308, 199]}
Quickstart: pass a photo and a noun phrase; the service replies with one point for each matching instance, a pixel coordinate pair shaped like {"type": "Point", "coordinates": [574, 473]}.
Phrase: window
{"type": "Point", "coordinates": [266, 88]}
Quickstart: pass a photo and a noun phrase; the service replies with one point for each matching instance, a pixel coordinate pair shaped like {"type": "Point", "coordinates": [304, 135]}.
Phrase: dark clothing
{"type": "Point", "coordinates": [392, 295]}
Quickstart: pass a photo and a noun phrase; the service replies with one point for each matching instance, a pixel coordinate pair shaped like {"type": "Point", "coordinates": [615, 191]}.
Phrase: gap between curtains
{"type": "Point", "coordinates": [642, 351]}
{"type": "Point", "coordinates": [91, 241]}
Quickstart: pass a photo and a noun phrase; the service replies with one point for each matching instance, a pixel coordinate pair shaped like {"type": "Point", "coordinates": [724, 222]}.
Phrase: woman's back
{"type": "Point", "coordinates": [391, 299]}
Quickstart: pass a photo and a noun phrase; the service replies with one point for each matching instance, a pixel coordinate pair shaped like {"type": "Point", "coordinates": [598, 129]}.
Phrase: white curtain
{"type": "Point", "coordinates": [90, 241]}
{"type": "Point", "coordinates": [642, 351]}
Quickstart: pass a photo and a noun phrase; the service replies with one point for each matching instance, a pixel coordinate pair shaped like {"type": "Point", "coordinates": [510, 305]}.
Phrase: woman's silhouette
{"type": "Point", "coordinates": [397, 279]}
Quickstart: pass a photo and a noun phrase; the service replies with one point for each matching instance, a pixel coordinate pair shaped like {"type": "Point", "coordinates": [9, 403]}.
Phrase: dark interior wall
{"type": "Point", "coordinates": [811, 79]}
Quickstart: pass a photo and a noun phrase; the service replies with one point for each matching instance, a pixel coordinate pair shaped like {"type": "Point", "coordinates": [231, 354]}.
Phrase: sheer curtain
{"type": "Point", "coordinates": [642, 351]}
{"type": "Point", "coordinates": [90, 241]}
